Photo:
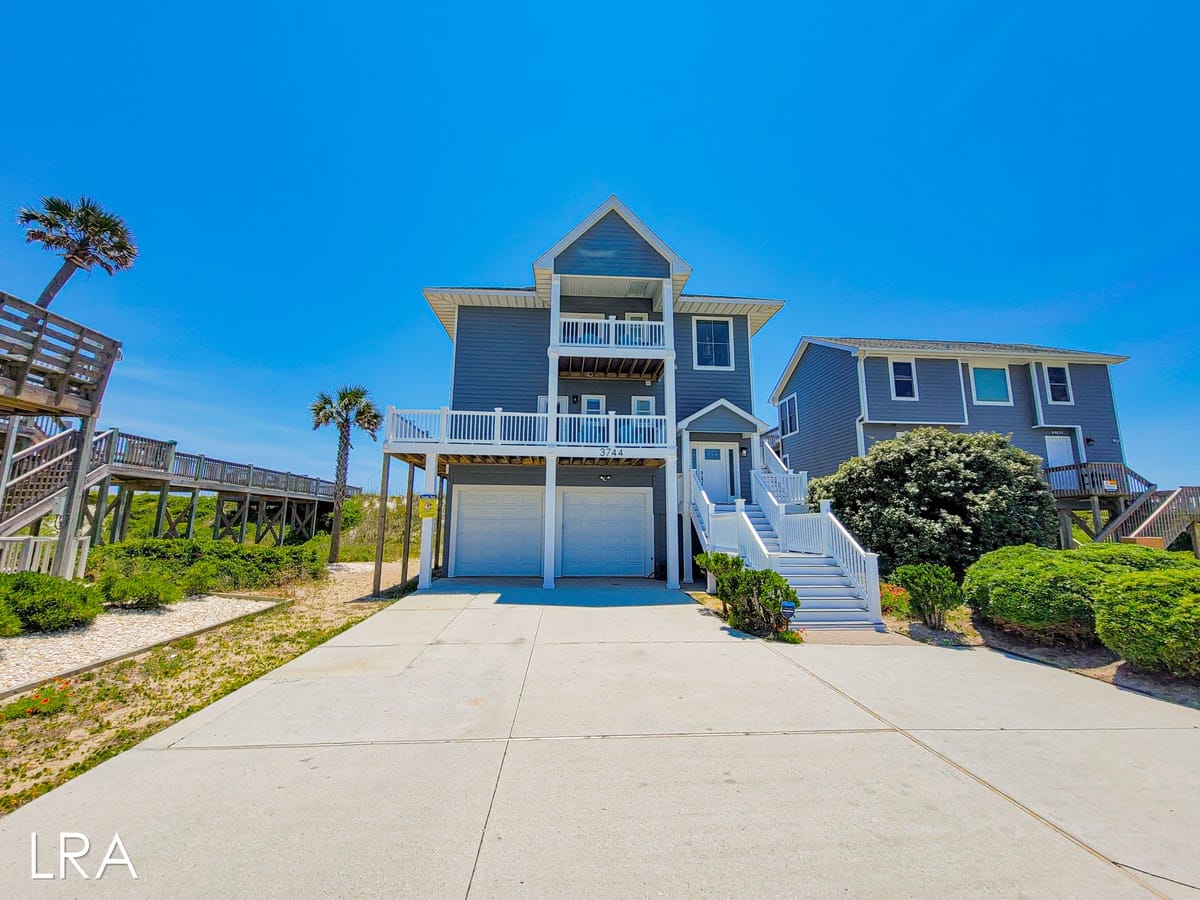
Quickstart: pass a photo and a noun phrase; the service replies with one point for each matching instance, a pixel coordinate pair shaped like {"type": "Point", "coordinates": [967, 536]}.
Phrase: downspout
{"type": "Point", "coordinates": [862, 403]}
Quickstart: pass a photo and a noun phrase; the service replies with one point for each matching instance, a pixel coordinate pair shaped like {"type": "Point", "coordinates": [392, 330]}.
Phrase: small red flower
{"type": "Point", "coordinates": [30, 710]}
{"type": "Point", "coordinates": [45, 699]}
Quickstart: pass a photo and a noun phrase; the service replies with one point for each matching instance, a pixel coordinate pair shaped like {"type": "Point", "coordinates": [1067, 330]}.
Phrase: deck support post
{"type": "Point", "coordinates": [117, 531]}
{"type": "Point", "coordinates": [377, 583]}
{"type": "Point", "coordinates": [672, 463]}
{"type": "Point", "coordinates": [1194, 532]}
{"type": "Point", "coordinates": [1066, 539]}
{"type": "Point", "coordinates": [408, 509]}
{"type": "Point", "coordinates": [685, 466]}
{"type": "Point", "coordinates": [190, 529]}
{"type": "Point", "coordinates": [64, 552]}
{"type": "Point", "coordinates": [437, 528]}
{"type": "Point", "coordinates": [425, 579]}
{"type": "Point", "coordinates": [10, 447]}
{"type": "Point", "coordinates": [1097, 521]}
{"type": "Point", "coordinates": [160, 511]}
{"type": "Point", "coordinates": [244, 519]}
{"type": "Point", "coordinates": [283, 517]}
{"type": "Point", "coordinates": [550, 521]}
{"type": "Point", "coordinates": [101, 510]}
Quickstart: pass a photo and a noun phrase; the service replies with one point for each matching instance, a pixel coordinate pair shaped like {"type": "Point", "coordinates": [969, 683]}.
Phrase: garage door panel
{"type": "Point", "coordinates": [606, 531]}
{"type": "Point", "coordinates": [498, 531]}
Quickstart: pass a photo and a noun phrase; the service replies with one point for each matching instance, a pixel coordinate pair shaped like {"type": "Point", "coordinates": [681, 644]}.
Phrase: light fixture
{"type": "Point", "coordinates": [605, 477]}
{"type": "Point", "coordinates": [575, 399]}
{"type": "Point", "coordinates": [1089, 441]}
{"type": "Point", "coordinates": [744, 452]}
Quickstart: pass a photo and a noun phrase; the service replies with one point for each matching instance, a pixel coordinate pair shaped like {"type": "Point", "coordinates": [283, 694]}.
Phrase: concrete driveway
{"type": "Point", "coordinates": [613, 739]}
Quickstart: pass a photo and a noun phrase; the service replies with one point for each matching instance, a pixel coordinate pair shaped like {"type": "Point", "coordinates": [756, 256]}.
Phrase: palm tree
{"type": "Point", "coordinates": [83, 233]}
{"type": "Point", "coordinates": [350, 407]}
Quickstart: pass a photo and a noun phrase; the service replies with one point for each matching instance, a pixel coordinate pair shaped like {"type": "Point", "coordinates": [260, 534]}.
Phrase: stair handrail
{"type": "Point", "coordinates": [1112, 531]}
{"type": "Point", "coordinates": [771, 461]}
{"type": "Point", "coordinates": [766, 500]}
{"type": "Point", "coordinates": [860, 566]}
{"type": "Point", "coordinates": [750, 543]}
{"type": "Point", "coordinates": [1172, 516]}
{"type": "Point", "coordinates": [705, 508]}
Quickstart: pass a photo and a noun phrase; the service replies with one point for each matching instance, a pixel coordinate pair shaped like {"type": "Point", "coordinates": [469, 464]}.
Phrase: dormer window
{"type": "Point", "coordinates": [712, 343]}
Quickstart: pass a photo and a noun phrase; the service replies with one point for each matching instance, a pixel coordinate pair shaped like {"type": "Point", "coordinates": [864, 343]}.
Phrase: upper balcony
{"type": "Point", "coordinates": [50, 365]}
{"type": "Point", "coordinates": [498, 433]}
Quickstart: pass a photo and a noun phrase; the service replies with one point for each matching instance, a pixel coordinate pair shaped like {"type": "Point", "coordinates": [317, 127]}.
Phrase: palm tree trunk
{"type": "Point", "coordinates": [339, 489]}
{"type": "Point", "coordinates": [61, 277]}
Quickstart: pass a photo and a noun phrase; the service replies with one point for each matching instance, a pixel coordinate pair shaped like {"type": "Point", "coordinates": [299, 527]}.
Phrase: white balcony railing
{"type": "Point", "coordinates": [461, 427]}
{"type": "Point", "coordinates": [611, 334]}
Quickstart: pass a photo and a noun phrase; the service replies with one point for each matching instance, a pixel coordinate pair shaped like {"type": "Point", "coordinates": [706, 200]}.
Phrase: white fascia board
{"type": "Point", "coordinates": [795, 361]}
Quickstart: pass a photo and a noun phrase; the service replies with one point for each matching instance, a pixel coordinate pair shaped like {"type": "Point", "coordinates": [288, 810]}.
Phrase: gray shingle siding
{"type": "Point", "coordinates": [608, 306]}
{"type": "Point", "coordinates": [722, 420]}
{"type": "Point", "coordinates": [500, 358]}
{"type": "Point", "coordinates": [939, 392]}
{"type": "Point", "coordinates": [612, 247]}
{"type": "Point", "coordinates": [697, 388]}
{"type": "Point", "coordinates": [619, 393]}
{"type": "Point", "coordinates": [701, 437]}
{"type": "Point", "coordinates": [567, 476]}
{"type": "Point", "coordinates": [825, 383]}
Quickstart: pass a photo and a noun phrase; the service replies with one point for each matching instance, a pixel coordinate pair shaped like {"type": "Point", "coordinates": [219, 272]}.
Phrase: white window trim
{"type": "Point", "coordinates": [1070, 386]}
{"type": "Point", "coordinates": [796, 415]}
{"type": "Point", "coordinates": [787, 463]}
{"type": "Point", "coordinates": [637, 317]}
{"type": "Point", "coordinates": [584, 398]}
{"type": "Point", "coordinates": [732, 361]}
{"type": "Point", "coordinates": [892, 360]}
{"type": "Point", "coordinates": [1007, 380]}
{"type": "Point", "coordinates": [633, 402]}
{"type": "Point", "coordinates": [544, 403]}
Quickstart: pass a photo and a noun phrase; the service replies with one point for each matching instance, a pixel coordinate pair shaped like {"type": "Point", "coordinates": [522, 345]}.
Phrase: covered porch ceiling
{"type": "Point", "coordinates": [470, 459]}
{"type": "Point", "coordinates": [608, 367]}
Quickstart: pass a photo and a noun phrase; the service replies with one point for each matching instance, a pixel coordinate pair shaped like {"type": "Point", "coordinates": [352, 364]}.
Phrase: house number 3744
{"type": "Point", "coordinates": [617, 451]}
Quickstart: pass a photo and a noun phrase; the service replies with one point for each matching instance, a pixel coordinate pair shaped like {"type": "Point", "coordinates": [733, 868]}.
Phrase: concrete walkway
{"type": "Point", "coordinates": [613, 739]}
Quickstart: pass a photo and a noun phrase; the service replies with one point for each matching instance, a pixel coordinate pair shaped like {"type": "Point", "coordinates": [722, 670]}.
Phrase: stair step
{"type": "Point", "coordinates": [822, 592]}
{"type": "Point", "coordinates": [823, 580]}
{"type": "Point", "coordinates": [819, 602]}
{"type": "Point", "coordinates": [813, 617]}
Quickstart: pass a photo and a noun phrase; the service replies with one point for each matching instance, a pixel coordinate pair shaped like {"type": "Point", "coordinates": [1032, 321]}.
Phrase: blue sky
{"type": "Point", "coordinates": [295, 173]}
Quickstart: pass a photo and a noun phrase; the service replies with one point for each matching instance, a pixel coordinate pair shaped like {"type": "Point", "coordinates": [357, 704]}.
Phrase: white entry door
{"type": "Point", "coordinates": [1060, 451]}
{"type": "Point", "coordinates": [497, 530]}
{"type": "Point", "coordinates": [606, 531]}
{"type": "Point", "coordinates": [714, 462]}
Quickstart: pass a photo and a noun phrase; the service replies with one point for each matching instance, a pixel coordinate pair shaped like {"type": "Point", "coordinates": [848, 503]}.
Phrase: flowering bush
{"type": "Point", "coordinates": [931, 495]}
{"type": "Point", "coordinates": [894, 600]}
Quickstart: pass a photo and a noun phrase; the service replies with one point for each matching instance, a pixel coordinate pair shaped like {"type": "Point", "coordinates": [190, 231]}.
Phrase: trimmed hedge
{"type": "Point", "coordinates": [1051, 595]}
{"type": "Point", "coordinates": [201, 566]}
{"type": "Point", "coordinates": [1152, 618]}
{"type": "Point", "coordinates": [46, 603]}
{"type": "Point", "coordinates": [1044, 594]}
{"type": "Point", "coordinates": [10, 624]}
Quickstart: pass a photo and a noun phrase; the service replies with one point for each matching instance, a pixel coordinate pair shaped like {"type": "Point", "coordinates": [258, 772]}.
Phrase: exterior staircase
{"type": "Point", "coordinates": [1156, 518]}
{"type": "Point", "coordinates": [828, 597]}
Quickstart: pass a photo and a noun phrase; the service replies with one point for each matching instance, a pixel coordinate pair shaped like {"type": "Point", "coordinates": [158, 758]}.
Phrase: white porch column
{"type": "Point", "coordinates": [550, 522]}
{"type": "Point", "coordinates": [685, 462]}
{"type": "Point", "coordinates": [756, 451]}
{"type": "Point", "coordinates": [672, 517]}
{"type": "Point", "coordinates": [552, 383]}
{"type": "Point", "coordinates": [425, 577]}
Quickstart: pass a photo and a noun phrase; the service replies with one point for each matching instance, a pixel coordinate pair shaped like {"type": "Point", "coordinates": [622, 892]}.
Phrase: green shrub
{"type": "Point", "coordinates": [1044, 594]}
{"type": "Point", "coordinates": [226, 565]}
{"type": "Point", "coordinates": [932, 591]}
{"type": "Point", "coordinates": [10, 624]}
{"type": "Point", "coordinates": [931, 495]}
{"type": "Point", "coordinates": [46, 603]}
{"type": "Point", "coordinates": [142, 591]}
{"type": "Point", "coordinates": [721, 566]}
{"type": "Point", "coordinates": [1152, 618]}
{"type": "Point", "coordinates": [1131, 556]}
{"type": "Point", "coordinates": [894, 600]}
{"type": "Point", "coordinates": [756, 598]}
{"type": "Point", "coordinates": [199, 579]}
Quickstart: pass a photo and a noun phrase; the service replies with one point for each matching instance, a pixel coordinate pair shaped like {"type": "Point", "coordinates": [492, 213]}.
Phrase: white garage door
{"type": "Point", "coordinates": [498, 530]}
{"type": "Point", "coordinates": [606, 531]}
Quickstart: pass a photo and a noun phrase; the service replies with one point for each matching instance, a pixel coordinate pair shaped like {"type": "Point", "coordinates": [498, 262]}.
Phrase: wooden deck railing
{"type": "Point", "coordinates": [49, 363]}
{"type": "Point", "coordinates": [1099, 479]}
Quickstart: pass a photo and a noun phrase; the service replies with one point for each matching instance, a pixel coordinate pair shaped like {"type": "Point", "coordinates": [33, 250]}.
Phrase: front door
{"type": "Point", "coordinates": [1060, 451]}
{"type": "Point", "coordinates": [714, 462]}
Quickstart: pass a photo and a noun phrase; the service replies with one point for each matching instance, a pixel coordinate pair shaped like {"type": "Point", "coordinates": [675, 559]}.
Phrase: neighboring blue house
{"type": "Point", "coordinates": [838, 396]}
{"type": "Point", "coordinates": [571, 404]}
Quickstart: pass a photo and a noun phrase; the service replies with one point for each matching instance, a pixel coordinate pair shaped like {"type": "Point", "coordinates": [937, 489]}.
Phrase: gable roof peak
{"type": "Point", "coordinates": [679, 267]}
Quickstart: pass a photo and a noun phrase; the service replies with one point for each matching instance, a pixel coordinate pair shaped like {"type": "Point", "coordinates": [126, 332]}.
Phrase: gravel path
{"type": "Point", "coordinates": [34, 657]}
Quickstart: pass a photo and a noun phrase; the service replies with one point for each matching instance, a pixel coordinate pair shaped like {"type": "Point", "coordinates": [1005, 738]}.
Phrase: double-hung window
{"type": "Point", "coordinates": [990, 386]}
{"type": "Point", "coordinates": [1058, 385]}
{"type": "Point", "coordinates": [789, 422]}
{"type": "Point", "coordinates": [904, 379]}
{"type": "Point", "coordinates": [712, 343]}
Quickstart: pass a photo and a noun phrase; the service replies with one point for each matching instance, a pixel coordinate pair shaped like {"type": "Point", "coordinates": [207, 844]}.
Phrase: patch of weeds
{"type": "Point", "coordinates": [164, 663]}
{"type": "Point", "coordinates": [187, 643]}
{"type": "Point", "coordinates": [788, 636]}
{"type": "Point", "coordinates": [45, 701]}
